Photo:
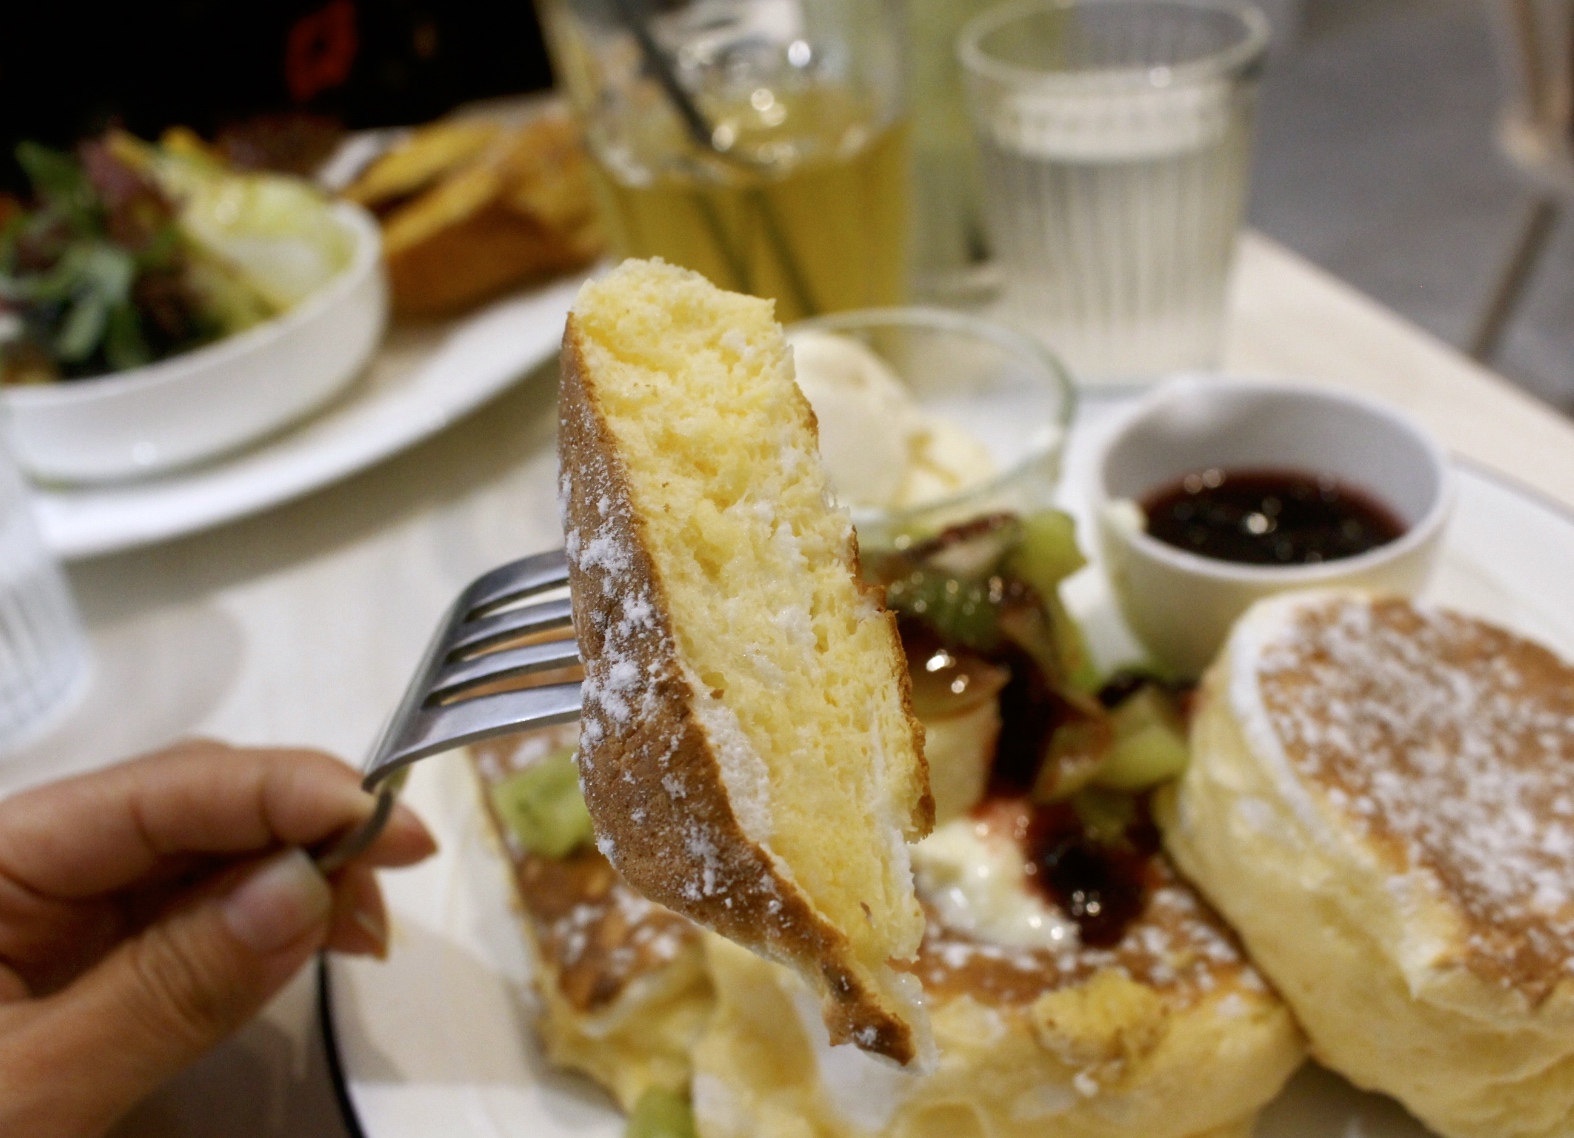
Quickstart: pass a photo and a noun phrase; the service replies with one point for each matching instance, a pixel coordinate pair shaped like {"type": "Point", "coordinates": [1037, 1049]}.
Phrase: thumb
{"type": "Point", "coordinates": [165, 996]}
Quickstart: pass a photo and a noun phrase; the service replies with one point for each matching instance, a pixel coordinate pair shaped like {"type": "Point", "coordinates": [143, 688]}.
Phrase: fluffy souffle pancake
{"type": "Point", "coordinates": [621, 982]}
{"type": "Point", "coordinates": [747, 749]}
{"type": "Point", "coordinates": [1381, 802]}
{"type": "Point", "coordinates": [1168, 1034]}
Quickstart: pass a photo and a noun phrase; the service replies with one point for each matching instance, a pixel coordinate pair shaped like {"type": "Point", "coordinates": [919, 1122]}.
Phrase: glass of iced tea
{"type": "Point", "coordinates": [759, 142]}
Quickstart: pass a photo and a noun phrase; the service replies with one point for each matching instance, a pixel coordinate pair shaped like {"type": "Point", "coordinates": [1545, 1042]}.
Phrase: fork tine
{"type": "Point", "coordinates": [420, 727]}
{"type": "Point", "coordinates": [434, 729]}
{"type": "Point", "coordinates": [456, 677]}
{"type": "Point", "coordinates": [514, 581]}
{"type": "Point", "coordinates": [541, 616]}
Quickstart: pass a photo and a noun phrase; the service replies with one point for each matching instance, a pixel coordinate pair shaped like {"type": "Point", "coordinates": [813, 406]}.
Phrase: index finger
{"type": "Point", "coordinates": [99, 832]}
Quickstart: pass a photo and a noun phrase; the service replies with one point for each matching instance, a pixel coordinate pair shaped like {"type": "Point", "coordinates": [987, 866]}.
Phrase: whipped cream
{"type": "Point", "coordinates": [975, 879]}
{"type": "Point", "coordinates": [880, 449]}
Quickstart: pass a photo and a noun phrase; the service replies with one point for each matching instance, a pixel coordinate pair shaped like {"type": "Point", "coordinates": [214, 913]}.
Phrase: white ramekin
{"type": "Point", "coordinates": [1181, 605]}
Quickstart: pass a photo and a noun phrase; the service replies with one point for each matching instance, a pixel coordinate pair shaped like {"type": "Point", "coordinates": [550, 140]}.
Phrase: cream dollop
{"type": "Point", "coordinates": [880, 449]}
{"type": "Point", "coordinates": [976, 881]}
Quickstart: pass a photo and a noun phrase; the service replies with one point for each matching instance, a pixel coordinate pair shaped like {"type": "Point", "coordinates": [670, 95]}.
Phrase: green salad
{"type": "Point", "coordinates": [131, 252]}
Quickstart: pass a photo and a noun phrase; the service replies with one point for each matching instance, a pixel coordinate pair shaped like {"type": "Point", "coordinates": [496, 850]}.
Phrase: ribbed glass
{"type": "Point", "coordinates": [1115, 141]}
{"type": "Point", "coordinates": [43, 649]}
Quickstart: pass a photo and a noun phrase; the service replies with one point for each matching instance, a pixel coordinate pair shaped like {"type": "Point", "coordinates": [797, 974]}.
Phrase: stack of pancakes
{"type": "Point", "coordinates": [1381, 801]}
{"type": "Point", "coordinates": [1169, 1034]}
{"type": "Point", "coordinates": [622, 981]}
{"type": "Point", "coordinates": [1381, 804]}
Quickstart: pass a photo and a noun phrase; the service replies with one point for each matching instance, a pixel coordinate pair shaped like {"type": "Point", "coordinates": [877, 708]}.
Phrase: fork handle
{"type": "Point", "coordinates": [352, 843]}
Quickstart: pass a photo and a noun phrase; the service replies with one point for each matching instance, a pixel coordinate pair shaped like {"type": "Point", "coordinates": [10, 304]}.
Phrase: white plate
{"type": "Point", "coordinates": [437, 1040]}
{"type": "Point", "coordinates": [422, 379]}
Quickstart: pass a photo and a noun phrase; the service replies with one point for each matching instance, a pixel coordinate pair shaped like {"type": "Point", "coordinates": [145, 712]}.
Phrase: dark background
{"type": "Point", "coordinates": [1375, 146]}
{"type": "Point", "coordinates": [69, 69]}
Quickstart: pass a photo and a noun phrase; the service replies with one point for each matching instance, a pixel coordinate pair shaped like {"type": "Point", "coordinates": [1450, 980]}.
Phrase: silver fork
{"type": "Point", "coordinates": [471, 650]}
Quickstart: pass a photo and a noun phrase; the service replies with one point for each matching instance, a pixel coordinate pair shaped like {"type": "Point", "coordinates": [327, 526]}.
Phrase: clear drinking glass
{"type": "Point", "coordinates": [762, 143]}
{"type": "Point", "coordinates": [43, 649]}
{"type": "Point", "coordinates": [950, 254]}
{"type": "Point", "coordinates": [1115, 139]}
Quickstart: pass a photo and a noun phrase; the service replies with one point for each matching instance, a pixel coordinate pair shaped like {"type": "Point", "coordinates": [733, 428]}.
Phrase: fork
{"type": "Point", "coordinates": [476, 647]}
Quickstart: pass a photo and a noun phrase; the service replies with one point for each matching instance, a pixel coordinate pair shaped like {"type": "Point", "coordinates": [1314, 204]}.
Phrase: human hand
{"type": "Point", "coordinates": [149, 910]}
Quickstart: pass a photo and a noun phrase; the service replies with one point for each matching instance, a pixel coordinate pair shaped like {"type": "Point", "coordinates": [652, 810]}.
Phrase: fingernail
{"type": "Point", "coordinates": [408, 819]}
{"type": "Point", "coordinates": [277, 903]}
{"type": "Point", "coordinates": [354, 801]}
{"type": "Point", "coordinates": [375, 927]}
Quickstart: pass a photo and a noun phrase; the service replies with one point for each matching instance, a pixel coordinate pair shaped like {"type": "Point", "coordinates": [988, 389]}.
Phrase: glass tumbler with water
{"type": "Point", "coordinates": [43, 649]}
{"type": "Point", "coordinates": [762, 143]}
{"type": "Point", "coordinates": [1115, 139]}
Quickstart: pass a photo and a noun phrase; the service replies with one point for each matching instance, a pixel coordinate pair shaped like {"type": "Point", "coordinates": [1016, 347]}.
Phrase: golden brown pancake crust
{"type": "Point", "coordinates": [1450, 744]}
{"type": "Point", "coordinates": [593, 933]}
{"type": "Point", "coordinates": [651, 780]}
{"type": "Point", "coordinates": [1178, 945]}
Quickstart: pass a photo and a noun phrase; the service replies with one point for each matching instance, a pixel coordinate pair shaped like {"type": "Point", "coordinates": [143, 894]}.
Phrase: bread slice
{"type": "Point", "coordinates": [747, 748]}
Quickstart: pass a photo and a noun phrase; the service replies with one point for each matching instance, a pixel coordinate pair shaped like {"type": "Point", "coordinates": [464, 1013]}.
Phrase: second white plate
{"type": "Point", "coordinates": [422, 379]}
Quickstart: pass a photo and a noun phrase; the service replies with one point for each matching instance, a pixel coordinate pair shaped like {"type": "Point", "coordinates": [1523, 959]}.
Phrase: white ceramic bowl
{"type": "Point", "coordinates": [205, 402]}
{"type": "Point", "coordinates": [1181, 605]}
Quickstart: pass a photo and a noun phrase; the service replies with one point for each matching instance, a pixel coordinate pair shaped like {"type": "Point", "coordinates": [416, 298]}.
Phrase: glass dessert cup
{"type": "Point", "coordinates": [1003, 389]}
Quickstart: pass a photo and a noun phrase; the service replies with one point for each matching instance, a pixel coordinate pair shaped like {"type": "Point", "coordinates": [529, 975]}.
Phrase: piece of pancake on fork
{"type": "Point", "coordinates": [747, 749]}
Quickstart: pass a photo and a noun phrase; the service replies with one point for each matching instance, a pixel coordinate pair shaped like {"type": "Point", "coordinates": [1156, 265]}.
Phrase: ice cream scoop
{"type": "Point", "coordinates": [879, 447]}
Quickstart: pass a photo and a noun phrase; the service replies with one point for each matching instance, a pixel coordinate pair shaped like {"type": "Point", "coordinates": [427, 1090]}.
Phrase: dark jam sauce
{"type": "Point", "coordinates": [1029, 713]}
{"type": "Point", "coordinates": [960, 629]}
{"type": "Point", "coordinates": [1103, 885]}
{"type": "Point", "coordinates": [1268, 517]}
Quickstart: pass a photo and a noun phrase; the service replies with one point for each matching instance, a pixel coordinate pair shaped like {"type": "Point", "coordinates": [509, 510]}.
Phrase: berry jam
{"type": "Point", "coordinates": [1268, 517]}
{"type": "Point", "coordinates": [1102, 885]}
{"type": "Point", "coordinates": [975, 629]}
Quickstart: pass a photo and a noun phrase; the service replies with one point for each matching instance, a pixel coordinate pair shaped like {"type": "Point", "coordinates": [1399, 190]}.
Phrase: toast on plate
{"type": "Point", "coordinates": [471, 207]}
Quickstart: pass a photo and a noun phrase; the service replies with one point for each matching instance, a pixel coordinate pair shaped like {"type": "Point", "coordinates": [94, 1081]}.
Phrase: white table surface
{"type": "Point", "coordinates": [299, 626]}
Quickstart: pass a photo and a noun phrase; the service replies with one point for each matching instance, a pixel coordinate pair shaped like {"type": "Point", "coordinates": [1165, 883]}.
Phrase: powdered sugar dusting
{"type": "Point", "coordinates": [632, 676]}
{"type": "Point", "coordinates": [1177, 944]}
{"type": "Point", "coordinates": [743, 772]}
{"type": "Point", "coordinates": [1451, 744]}
{"type": "Point", "coordinates": [597, 937]}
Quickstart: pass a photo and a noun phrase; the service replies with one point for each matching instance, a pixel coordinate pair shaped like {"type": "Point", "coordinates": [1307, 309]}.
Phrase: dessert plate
{"type": "Point", "coordinates": [423, 378]}
{"type": "Point", "coordinates": [438, 1038]}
